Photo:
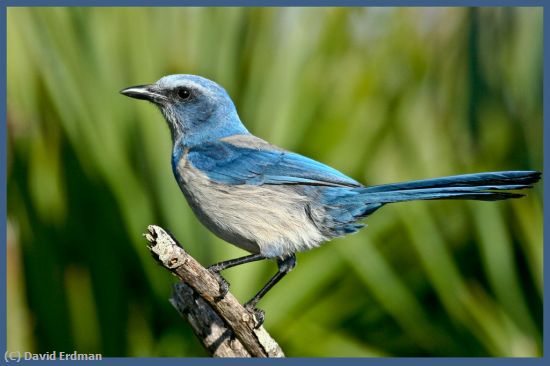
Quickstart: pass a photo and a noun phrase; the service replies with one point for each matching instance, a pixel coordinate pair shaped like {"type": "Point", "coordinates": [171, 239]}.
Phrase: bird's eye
{"type": "Point", "coordinates": [184, 93]}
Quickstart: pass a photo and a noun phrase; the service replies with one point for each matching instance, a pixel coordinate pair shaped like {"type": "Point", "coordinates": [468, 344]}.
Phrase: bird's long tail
{"type": "Point", "coordinates": [344, 206]}
{"type": "Point", "coordinates": [480, 186]}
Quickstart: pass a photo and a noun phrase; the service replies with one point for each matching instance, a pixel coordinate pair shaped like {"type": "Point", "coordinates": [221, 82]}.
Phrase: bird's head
{"type": "Point", "coordinates": [197, 109]}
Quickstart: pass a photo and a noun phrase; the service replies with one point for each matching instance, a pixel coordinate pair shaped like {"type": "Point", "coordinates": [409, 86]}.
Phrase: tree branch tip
{"type": "Point", "coordinates": [164, 247]}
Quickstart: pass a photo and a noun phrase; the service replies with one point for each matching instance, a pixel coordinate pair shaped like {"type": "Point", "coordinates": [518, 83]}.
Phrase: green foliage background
{"type": "Point", "coordinates": [383, 94]}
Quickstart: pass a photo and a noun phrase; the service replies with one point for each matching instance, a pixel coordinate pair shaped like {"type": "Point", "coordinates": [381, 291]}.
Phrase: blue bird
{"type": "Point", "coordinates": [272, 202]}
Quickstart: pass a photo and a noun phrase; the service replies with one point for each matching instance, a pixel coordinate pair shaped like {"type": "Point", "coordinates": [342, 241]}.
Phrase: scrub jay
{"type": "Point", "coordinates": [272, 202]}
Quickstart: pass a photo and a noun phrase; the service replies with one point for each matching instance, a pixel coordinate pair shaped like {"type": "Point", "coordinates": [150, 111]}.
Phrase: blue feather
{"type": "Point", "coordinates": [227, 163]}
{"type": "Point", "coordinates": [498, 180]}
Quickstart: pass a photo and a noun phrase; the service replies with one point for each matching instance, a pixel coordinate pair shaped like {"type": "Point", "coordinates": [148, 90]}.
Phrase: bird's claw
{"type": "Point", "coordinates": [222, 282]}
{"type": "Point", "coordinates": [258, 314]}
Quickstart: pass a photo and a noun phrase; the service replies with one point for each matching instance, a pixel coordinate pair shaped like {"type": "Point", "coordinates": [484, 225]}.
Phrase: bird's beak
{"type": "Point", "coordinates": [145, 92]}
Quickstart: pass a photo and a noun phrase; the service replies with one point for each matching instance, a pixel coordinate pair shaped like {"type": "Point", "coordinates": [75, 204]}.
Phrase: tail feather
{"type": "Point", "coordinates": [481, 193]}
{"type": "Point", "coordinates": [491, 180]}
{"type": "Point", "coordinates": [346, 206]}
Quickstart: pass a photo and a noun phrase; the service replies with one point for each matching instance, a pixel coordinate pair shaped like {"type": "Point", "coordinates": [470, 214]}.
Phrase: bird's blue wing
{"type": "Point", "coordinates": [258, 164]}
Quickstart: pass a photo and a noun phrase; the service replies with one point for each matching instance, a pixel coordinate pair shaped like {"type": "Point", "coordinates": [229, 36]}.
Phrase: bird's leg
{"type": "Point", "coordinates": [285, 264]}
{"type": "Point", "coordinates": [218, 267]}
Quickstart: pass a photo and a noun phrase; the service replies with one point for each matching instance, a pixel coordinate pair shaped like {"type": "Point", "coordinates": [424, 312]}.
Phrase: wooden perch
{"type": "Point", "coordinates": [224, 326]}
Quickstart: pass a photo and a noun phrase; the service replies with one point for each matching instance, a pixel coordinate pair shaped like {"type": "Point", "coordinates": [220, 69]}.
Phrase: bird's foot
{"type": "Point", "coordinates": [222, 282]}
{"type": "Point", "coordinates": [258, 314]}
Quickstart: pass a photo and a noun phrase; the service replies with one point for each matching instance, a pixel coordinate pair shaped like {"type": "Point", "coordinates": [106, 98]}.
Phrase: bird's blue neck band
{"type": "Point", "coordinates": [190, 138]}
{"type": "Point", "coordinates": [218, 129]}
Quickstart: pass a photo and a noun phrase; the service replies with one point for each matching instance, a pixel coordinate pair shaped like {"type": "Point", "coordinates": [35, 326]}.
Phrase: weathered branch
{"type": "Point", "coordinates": [223, 325]}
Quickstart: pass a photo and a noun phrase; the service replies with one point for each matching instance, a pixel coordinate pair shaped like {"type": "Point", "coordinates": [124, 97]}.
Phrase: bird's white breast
{"type": "Point", "coordinates": [272, 220]}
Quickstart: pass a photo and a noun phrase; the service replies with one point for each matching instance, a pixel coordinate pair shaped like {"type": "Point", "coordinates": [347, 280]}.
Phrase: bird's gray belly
{"type": "Point", "coordinates": [271, 220]}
